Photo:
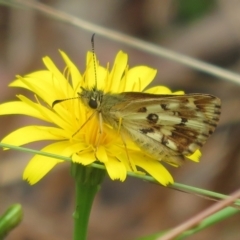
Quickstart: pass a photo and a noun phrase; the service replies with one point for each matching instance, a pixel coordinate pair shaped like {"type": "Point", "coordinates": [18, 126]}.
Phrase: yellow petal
{"type": "Point", "coordinates": [163, 90]}
{"type": "Point", "coordinates": [30, 134]}
{"type": "Point", "coordinates": [64, 120]}
{"type": "Point", "coordinates": [95, 74]}
{"type": "Point", "coordinates": [49, 90]}
{"type": "Point", "coordinates": [40, 165]}
{"type": "Point", "coordinates": [29, 108]}
{"type": "Point", "coordinates": [159, 90]}
{"type": "Point", "coordinates": [139, 77]}
{"type": "Point", "coordinates": [117, 72]}
{"type": "Point", "coordinates": [84, 158]}
{"type": "Point", "coordinates": [18, 107]}
{"type": "Point", "coordinates": [130, 166]}
{"type": "Point", "coordinates": [154, 168]}
{"type": "Point", "coordinates": [43, 76]}
{"type": "Point", "coordinates": [116, 169]}
{"type": "Point", "coordinates": [195, 156]}
{"type": "Point", "coordinates": [75, 74]}
{"type": "Point", "coordinates": [179, 93]}
{"type": "Point", "coordinates": [58, 80]}
{"type": "Point", "coordinates": [101, 154]}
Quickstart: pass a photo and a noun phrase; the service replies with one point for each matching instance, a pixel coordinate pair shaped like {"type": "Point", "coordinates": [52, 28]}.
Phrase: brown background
{"type": "Point", "coordinates": [124, 211]}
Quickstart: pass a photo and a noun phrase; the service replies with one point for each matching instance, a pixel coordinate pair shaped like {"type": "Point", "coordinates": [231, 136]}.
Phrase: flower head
{"type": "Point", "coordinates": [78, 131]}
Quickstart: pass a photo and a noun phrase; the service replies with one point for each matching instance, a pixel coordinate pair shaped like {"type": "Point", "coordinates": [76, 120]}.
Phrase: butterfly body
{"type": "Point", "coordinates": [166, 127]}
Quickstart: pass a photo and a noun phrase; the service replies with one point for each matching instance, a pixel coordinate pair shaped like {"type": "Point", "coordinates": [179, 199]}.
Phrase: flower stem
{"type": "Point", "coordinates": [88, 182]}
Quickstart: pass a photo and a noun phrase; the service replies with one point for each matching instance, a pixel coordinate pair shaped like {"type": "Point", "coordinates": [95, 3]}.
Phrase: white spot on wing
{"type": "Point", "coordinates": [168, 120]}
{"type": "Point", "coordinates": [171, 145]}
{"type": "Point", "coordinates": [155, 135]}
{"type": "Point", "coordinates": [193, 147]}
{"type": "Point", "coordinates": [172, 105]}
{"type": "Point", "coordinates": [166, 131]}
{"type": "Point", "coordinates": [195, 124]}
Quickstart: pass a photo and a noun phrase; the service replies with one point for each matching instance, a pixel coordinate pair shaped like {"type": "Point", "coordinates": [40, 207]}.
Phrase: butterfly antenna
{"type": "Point", "coordinates": [62, 100]}
{"type": "Point", "coordinates": [94, 60]}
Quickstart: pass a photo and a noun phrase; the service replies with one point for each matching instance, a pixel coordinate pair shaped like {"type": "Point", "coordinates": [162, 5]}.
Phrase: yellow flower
{"type": "Point", "coordinates": [74, 132]}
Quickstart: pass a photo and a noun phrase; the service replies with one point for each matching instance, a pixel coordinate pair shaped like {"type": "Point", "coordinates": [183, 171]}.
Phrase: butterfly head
{"type": "Point", "coordinates": [91, 98]}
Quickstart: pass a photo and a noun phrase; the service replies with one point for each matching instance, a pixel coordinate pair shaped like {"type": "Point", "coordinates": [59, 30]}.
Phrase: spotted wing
{"type": "Point", "coordinates": [169, 127]}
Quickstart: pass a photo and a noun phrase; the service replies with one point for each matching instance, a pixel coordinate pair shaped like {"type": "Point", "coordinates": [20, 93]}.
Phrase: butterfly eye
{"type": "Point", "coordinates": [93, 103]}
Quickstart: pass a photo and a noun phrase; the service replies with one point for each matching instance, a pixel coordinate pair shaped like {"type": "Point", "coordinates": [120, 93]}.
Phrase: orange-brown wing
{"type": "Point", "coordinates": [168, 127]}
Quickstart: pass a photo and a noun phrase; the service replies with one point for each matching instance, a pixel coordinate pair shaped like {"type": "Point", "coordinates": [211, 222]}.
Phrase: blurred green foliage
{"type": "Point", "coordinates": [189, 10]}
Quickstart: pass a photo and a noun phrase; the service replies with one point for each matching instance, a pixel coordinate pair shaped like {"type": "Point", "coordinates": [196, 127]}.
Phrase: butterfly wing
{"type": "Point", "coordinates": [167, 127]}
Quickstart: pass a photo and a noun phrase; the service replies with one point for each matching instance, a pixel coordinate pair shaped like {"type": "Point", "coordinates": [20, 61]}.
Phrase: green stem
{"type": "Point", "coordinates": [88, 182]}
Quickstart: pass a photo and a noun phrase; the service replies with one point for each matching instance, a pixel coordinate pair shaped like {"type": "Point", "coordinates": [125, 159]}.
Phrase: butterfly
{"type": "Point", "coordinates": [165, 127]}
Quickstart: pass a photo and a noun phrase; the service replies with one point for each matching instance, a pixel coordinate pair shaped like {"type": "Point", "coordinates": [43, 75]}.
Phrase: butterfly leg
{"type": "Point", "coordinates": [89, 118]}
{"type": "Point", "coordinates": [119, 125]}
{"type": "Point", "coordinates": [99, 135]}
{"type": "Point", "coordinates": [132, 165]}
{"type": "Point", "coordinates": [100, 129]}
